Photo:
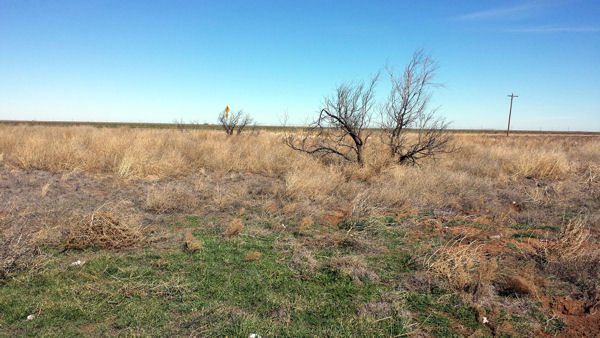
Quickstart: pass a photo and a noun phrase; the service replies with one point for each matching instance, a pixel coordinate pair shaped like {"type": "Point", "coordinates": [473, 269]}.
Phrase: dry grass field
{"type": "Point", "coordinates": [193, 232]}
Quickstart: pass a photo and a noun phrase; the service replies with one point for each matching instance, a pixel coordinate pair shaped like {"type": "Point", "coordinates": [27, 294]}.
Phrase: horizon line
{"type": "Point", "coordinates": [116, 124]}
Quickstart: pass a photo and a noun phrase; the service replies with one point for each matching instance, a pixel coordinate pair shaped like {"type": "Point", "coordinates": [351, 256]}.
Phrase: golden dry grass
{"type": "Point", "coordinates": [468, 180]}
{"type": "Point", "coordinates": [172, 197]}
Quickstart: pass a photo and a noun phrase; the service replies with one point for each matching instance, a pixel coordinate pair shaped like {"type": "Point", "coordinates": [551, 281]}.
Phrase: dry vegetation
{"type": "Point", "coordinates": [511, 216]}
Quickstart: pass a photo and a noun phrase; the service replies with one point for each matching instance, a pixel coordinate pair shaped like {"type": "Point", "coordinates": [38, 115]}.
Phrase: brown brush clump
{"type": "Point", "coordinates": [457, 263]}
{"type": "Point", "coordinates": [234, 228]}
{"type": "Point", "coordinates": [191, 244]}
{"type": "Point", "coordinates": [103, 231]}
{"type": "Point", "coordinates": [252, 256]}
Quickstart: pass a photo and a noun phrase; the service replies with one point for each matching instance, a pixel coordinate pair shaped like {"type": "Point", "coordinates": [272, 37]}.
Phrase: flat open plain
{"type": "Point", "coordinates": [192, 232]}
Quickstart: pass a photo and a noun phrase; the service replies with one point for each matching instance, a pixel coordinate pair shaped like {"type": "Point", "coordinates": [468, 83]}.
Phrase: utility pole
{"type": "Point", "coordinates": [512, 96]}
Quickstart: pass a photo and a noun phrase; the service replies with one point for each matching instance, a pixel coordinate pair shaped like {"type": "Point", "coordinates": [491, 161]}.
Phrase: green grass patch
{"type": "Point", "coordinates": [535, 227]}
{"type": "Point", "coordinates": [212, 292]}
{"type": "Point", "coordinates": [527, 234]}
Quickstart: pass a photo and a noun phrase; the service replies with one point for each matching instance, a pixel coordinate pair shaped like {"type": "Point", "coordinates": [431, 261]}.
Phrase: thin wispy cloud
{"type": "Point", "coordinates": [499, 13]}
{"type": "Point", "coordinates": [556, 29]}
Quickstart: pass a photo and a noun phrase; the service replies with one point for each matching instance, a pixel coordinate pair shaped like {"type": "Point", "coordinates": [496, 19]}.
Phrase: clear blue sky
{"type": "Point", "coordinates": [155, 61]}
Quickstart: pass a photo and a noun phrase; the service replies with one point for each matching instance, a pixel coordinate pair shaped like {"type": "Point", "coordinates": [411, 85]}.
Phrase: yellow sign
{"type": "Point", "coordinates": [226, 111]}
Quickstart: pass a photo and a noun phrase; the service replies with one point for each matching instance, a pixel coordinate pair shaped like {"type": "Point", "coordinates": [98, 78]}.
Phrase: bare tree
{"type": "Point", "coordinates": [340, 129]}
{"type": "Point", "coordinates": [234, 122]}
{"type": "Point", "coordinates": [180, 124]}
{"type": "Point", "coordinates": [407, 108]}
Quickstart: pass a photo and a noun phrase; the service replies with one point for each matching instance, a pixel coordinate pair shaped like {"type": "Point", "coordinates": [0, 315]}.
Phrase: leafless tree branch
{"type": "Point", "coordinates": [407, 108]}
{"type": "Point", "coordinates": [340, 128]}
{"type": "Point", "coordinates": [234, 122]}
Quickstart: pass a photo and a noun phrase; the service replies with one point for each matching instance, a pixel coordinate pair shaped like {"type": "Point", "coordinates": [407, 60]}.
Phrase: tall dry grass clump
{"type": "Point", "coordinates": [573, 257]}
{"type": "Point", "coordinates": [457, 263]}
{"type": "Point", "coordinates": [172, 197]}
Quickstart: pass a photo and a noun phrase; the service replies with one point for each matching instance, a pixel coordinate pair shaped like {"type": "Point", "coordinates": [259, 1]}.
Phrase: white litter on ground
{"type": "Point", "coordinates": [78, 262]}
{"type": "Point", "coordinates": [254, 335]}
{"type": "Point", "coordinates": [30, 317]}
{"type": "Point", "coordinates": [485, 320]}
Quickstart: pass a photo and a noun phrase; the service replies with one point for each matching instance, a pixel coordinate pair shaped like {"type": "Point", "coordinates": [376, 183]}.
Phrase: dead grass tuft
{"type": "Point", "coordinates": [457, 263]}
{"type": "Point", "coordinates": [234, 228]}
{"type": "Point", "coordinates": [103, 231]}
{"type": "Point", "coordinates": [573, 257]}
{"type": "Point", "coordinates": [191, 244]}
{"type": "Point", "coordinates": [306, 222]}
{"type": "Point", "coordinates": [355, 267]}
{"type": "Point", "coordinates": [15, 248]}
{"type": "Point", "coordinates": [303, 262]}
{"type": "Point", "coordinates": [571, 243]}
{"type": "Point", "coordinates": [172, 197]}
{"type": "Point", "coordinates": [252, 256]}
{"type": "Point", "coordinates": [375, 309]}
{"type": "Point", "coordinates": [334, 217]}
{"type": "Point", "coordinates": [519, 285]}
{"type": "Point", "coordinates": [540, 164]}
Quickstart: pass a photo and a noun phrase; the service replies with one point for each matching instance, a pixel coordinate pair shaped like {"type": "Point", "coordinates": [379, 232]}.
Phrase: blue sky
{"type": "Point", "coordinates": [156, 61]}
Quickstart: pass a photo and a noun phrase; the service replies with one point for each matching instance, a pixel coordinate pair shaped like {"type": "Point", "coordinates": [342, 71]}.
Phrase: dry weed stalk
{"type": "Point", "coordinates": [45, 189]}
